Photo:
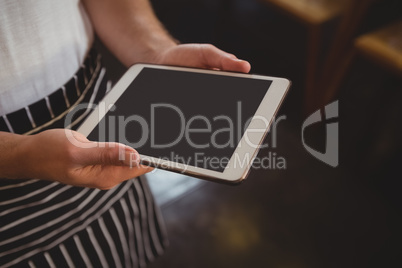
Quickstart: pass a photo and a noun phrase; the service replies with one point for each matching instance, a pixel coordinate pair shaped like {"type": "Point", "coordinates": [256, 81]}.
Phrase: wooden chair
{"type": "Point", "coordinates": [341, 53]}
{"type": "Point", "coordinates": [313, 14]}
{"type": "Point", "coordinates": [384, 47]}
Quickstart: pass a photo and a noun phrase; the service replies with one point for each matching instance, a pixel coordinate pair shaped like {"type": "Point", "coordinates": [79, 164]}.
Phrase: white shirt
{"type": "Point", "coordinates": [42, 44]}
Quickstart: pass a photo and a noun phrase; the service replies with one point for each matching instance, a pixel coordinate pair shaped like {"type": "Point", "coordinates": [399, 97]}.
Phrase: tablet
{"type": "Point", "coordinates": [203, 123]}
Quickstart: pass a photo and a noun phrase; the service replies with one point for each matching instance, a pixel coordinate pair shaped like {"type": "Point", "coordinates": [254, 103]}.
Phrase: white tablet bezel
{"type": "Point", "coordinates": [233, 173]}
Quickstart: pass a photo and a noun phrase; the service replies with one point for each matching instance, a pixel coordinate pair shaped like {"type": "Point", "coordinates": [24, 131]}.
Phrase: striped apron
{"type": "Point", "coordinates": [48, 224]}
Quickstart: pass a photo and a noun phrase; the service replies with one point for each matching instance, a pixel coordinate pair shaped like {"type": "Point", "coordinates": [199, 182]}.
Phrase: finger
{"type": "Point", "coordinates": [109, 153]}
{"type": "Point", "coordinates": [213, 57]}
{"type": "Point", "coordinates": [123, 173]}
{"type": "Point", "coordinates": [236, 65]}
{"type": "Point", "coordinates": [111, 176]}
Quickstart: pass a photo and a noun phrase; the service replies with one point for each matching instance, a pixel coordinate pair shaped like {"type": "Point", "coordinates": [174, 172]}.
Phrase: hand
{"type": "Point", "coordinates": [133, 34]}
{"type": "Point", "coordinates": [50, 155]}
{"type": "Point", "coordinates": [202, 56]}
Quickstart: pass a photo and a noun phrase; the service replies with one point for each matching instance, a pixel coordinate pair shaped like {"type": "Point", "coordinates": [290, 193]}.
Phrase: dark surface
{"type": "Point", "coordinates": [310, 214]}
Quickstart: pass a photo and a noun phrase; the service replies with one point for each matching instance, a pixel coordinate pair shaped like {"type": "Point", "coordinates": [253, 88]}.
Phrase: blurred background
{"type": "Point", "coordinates": [310, 214]}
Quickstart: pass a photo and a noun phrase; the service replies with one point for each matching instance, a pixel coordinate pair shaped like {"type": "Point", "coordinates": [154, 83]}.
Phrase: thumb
{"type": "Point", "coordinates": [110, 154]}
{"type": "Point", "coordinates": [203, 56]}
{"type": "Point", "coordinates": [213, 57]}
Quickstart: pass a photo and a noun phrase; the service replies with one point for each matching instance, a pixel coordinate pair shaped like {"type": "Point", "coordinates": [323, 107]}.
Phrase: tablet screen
{"type": "Point", "coordinates": [186, 117]}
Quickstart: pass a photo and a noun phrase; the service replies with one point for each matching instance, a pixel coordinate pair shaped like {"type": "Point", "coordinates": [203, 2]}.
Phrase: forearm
{"type": "Point", "coordinates": [11, 155]}
{"type": "Point", "coordinates": [67, 157]}
{"type": "Point", "coordinates": [129, 28]}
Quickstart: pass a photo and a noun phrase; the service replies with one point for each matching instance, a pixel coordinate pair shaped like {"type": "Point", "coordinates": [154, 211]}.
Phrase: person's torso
{"type": "Point", "coordinates": [42, 44]}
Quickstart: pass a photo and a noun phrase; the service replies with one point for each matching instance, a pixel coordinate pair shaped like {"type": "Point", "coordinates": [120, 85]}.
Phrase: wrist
{"type": "Point", "coordinates": [152, 52]}
{"type": "Point", "coordinates": [23, 157]}
{"type": "Point", "coordinates": [13, 158]}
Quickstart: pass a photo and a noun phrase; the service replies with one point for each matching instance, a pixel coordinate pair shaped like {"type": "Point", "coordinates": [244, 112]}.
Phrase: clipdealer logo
{"type": "Point", "coordinates": [235, 125]}
{"type": "Point", "coordinates": [331, 154]}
